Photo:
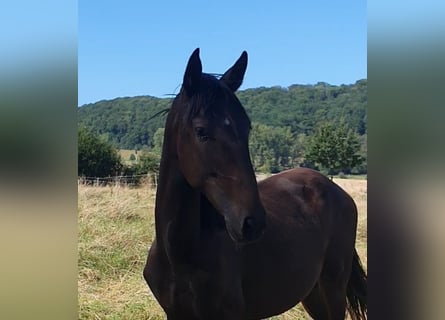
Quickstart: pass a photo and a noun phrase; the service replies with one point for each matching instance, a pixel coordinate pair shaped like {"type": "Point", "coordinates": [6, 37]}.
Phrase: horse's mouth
{"type": "Point", "coordinates": [245, 237]}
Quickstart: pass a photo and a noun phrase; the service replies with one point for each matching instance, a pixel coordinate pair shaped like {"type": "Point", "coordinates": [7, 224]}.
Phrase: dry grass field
{"type": "Point", "coordinates": [116, 227]}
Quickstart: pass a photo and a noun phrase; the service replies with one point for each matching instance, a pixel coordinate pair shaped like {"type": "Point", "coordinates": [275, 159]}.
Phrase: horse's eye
{"type": "Point", "coordinates": [201, 134]}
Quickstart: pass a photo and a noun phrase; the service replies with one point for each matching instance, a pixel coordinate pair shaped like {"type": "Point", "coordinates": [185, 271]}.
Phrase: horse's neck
{"type": "Point", "coordinates": [177, 215]}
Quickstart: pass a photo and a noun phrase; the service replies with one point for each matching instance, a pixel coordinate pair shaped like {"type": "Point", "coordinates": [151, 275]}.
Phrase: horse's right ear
{"type": "Point", "coordinates": [192, 76]}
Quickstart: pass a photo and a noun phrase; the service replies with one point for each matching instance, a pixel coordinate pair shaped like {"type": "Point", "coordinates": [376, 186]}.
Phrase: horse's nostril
{"type": "Point", "coordinates": [248, 226]}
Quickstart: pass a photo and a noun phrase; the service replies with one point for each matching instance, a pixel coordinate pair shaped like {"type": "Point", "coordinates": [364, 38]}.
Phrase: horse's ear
{"type": "Point", "coordinates": [233, 77]}
{"type": "Point", "coordinates": [192, 75]}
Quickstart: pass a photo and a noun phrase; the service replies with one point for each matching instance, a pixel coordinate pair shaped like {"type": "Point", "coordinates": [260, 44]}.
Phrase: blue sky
{"type": "Point", "coordinates": [129, 48]}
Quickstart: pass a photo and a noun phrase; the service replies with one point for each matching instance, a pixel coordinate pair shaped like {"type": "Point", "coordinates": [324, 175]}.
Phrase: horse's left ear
{"type": "Point", "coordinates": [192, 75]}
{"type": "Point", "coordinates": [233, 77]}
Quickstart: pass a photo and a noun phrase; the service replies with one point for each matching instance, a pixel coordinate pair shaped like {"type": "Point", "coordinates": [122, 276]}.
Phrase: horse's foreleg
{"type": "Point", "coordinates": [213, 305]}
{"type": "Point", "coordinates": [314, 304]}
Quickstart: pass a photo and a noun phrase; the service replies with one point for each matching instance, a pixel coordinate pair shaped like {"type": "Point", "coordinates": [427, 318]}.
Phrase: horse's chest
{"type": "Point", "coordinates": [182, 295]}
{"type": "Point", "coordinates": [195, 293]}
{"type": "Point", "coordinates": [199, 287]}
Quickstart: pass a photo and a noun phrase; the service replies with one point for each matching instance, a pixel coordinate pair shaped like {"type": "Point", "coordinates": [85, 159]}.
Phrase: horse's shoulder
{"type": "Point", "coordinates": [304, 188]}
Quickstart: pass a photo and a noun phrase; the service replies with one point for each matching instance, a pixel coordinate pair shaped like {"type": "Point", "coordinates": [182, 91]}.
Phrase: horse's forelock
{"type": "Point", "coordinates": [207, 100]}
{"type": "Point", "coordinates": [211, 100]}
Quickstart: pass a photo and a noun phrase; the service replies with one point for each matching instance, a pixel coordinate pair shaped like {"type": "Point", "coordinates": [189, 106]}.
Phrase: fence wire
{"type": "Point", "coordinates": [133, 180]}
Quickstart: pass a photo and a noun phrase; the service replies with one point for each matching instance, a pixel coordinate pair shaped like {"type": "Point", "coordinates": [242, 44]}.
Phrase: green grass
{"type": "Point", "coordinates": [116, 227]}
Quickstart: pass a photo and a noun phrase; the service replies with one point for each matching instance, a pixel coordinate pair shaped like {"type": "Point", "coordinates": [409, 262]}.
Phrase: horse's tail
{"type": "Point", "coordinates": [357, 290]}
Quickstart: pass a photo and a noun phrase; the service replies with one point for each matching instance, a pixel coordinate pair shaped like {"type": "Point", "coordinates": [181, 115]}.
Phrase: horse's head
{"type": "Point", "coordinates": [212, 146]}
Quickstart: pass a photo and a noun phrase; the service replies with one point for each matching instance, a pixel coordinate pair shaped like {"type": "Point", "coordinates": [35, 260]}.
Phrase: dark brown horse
{"type": "Point", "coordinates": [229, 248]}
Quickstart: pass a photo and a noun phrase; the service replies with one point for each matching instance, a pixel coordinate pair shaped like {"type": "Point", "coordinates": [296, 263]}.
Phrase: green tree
{"type": "Point", "coordinates": [362, 168]}
{"type": "Point", "coordinates": [300, 147]}
{"type": "Point", "coordinates": [271, 148]}
{"type": "Point", "coordinates": [96, 158]}
{"type": "Point", "coordinates": [158, 140]}
{"type": "Point", "coordinates": [334, 148]}
{"type": "Point", "coordinates": [148, 162]}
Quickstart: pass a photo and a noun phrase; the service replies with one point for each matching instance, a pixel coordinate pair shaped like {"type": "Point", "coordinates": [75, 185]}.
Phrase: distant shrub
{"type": "Point", "coordinates": [148, 162]}
{"type": "Point", "coordinates": [96, 158]}
{"type": "Point", "coordinates": [341, 175]}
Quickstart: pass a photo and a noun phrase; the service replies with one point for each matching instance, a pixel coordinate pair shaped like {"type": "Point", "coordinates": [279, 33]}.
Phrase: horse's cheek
{"type": "Point", "coordinates": [188, 161]}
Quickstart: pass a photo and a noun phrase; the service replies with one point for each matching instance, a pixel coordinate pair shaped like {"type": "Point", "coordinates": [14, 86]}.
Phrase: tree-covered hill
{"type": "Point", "coordinates": [125, 121]}
{"type": "Point", "coordinates": [301, 107]}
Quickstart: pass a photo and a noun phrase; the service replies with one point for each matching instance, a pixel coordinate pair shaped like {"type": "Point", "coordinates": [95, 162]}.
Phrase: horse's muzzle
{"type": "Point", "coordinates": [248, 229]}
